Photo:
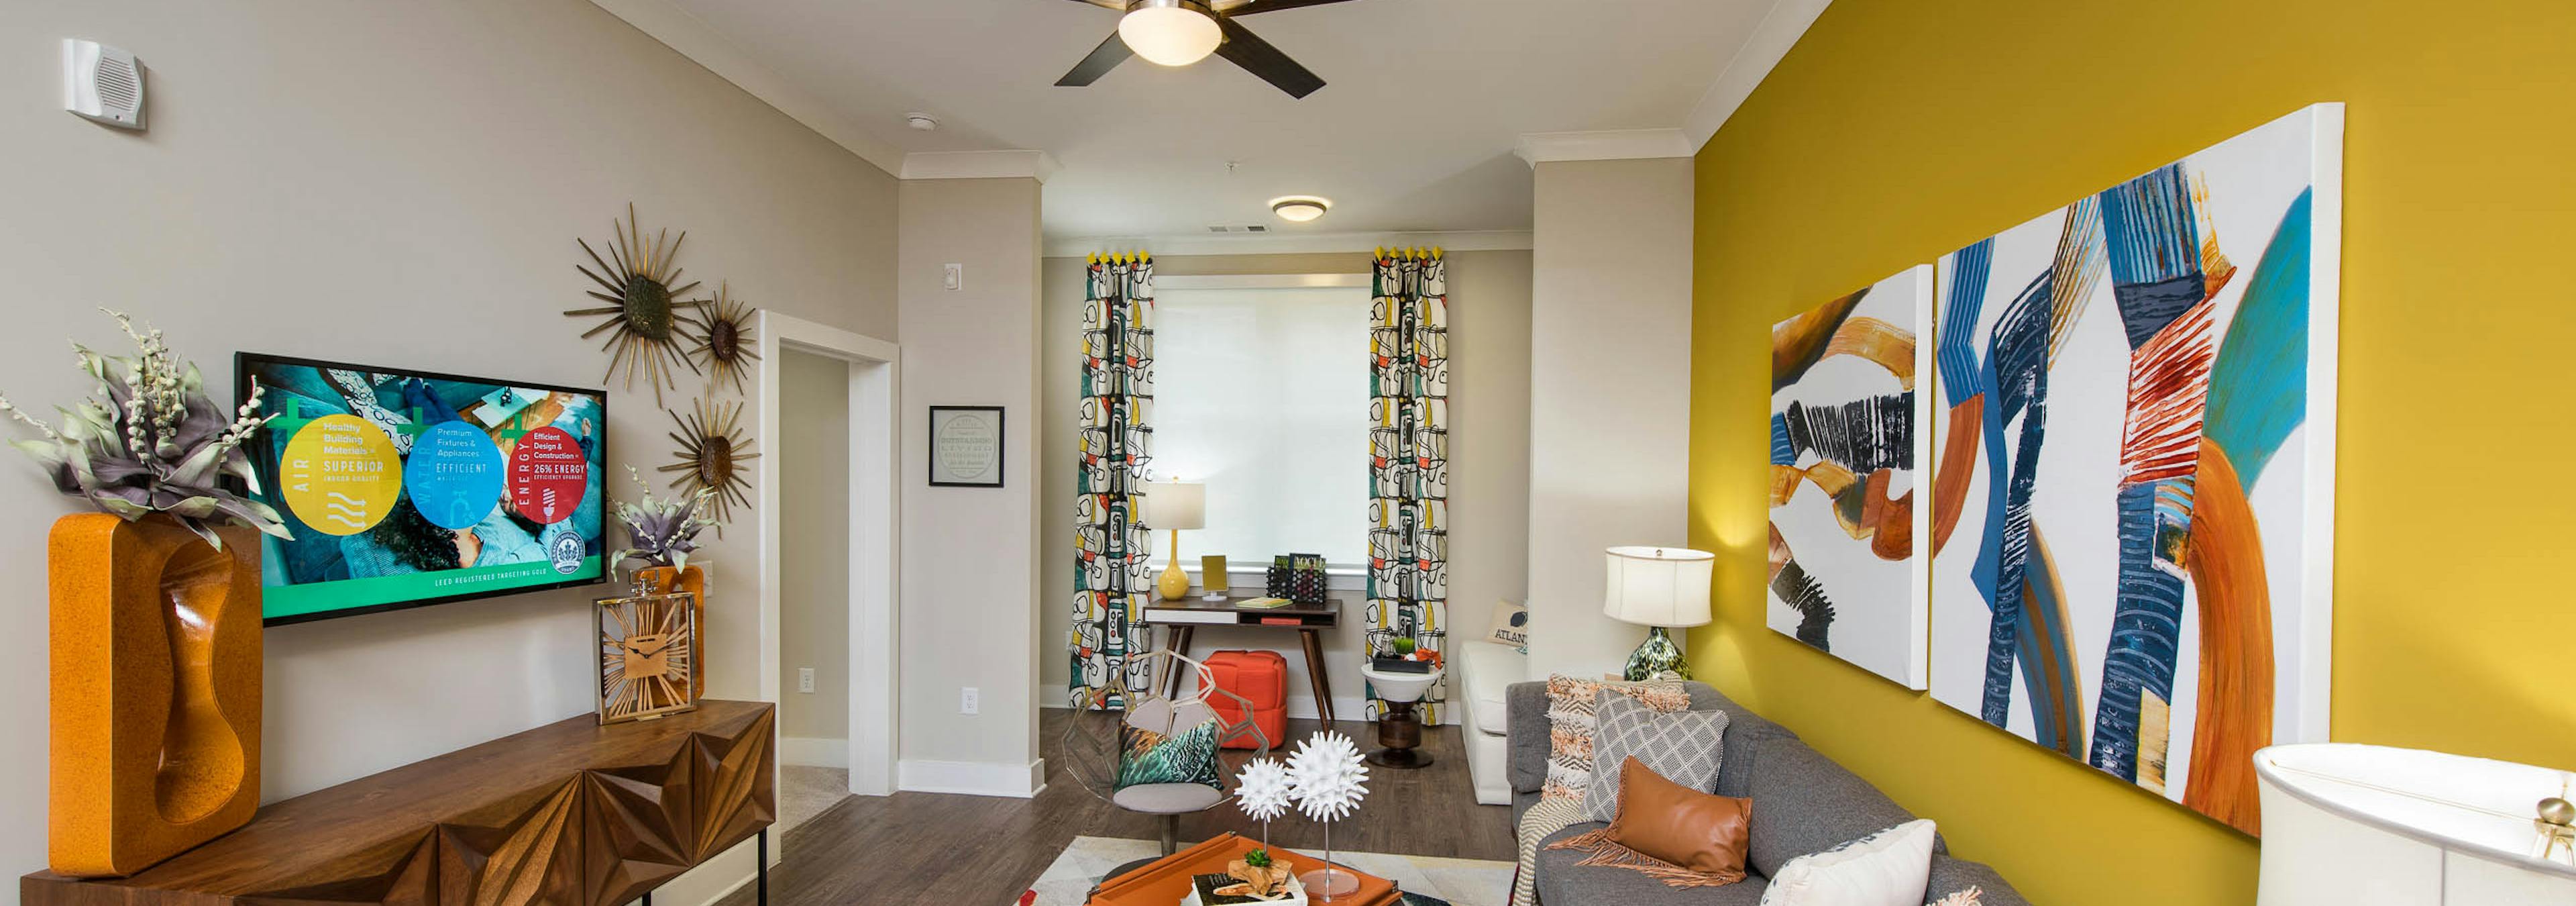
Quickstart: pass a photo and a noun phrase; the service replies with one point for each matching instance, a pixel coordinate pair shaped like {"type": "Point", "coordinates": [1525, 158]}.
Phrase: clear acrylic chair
{"type": "Point", "coordinates": [1091, 747]}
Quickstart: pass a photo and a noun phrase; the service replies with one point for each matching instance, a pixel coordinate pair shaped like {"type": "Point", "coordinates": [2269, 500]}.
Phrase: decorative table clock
{"type": "Point", "coordinates": [648, 654]}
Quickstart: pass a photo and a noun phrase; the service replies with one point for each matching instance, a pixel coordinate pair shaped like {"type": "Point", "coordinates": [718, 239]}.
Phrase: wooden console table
{"type": "Point", "coordinates": [568, 813]}
{"type": "Point", "coordinates": [1183, 618]}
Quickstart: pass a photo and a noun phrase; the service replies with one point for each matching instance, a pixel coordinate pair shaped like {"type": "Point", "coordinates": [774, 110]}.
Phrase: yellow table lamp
{"type": "Point", "coordinates": [1175, 505]}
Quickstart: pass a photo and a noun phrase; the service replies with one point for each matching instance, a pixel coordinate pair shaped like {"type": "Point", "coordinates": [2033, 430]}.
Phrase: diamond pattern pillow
{"type": "Point", "coordinates": [1570, 704]}
{"type": "Point", "coordinates": [1683, 746]}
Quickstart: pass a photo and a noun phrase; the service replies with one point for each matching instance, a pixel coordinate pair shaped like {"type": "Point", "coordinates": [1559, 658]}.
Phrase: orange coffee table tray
{"type": "Point", "coordinates": [1164, 881]}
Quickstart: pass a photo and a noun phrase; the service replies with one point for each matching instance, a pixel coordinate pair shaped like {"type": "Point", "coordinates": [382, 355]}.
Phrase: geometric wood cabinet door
{"type": "Point", "coordinates": [518, 852]}
{"type": "Point", "coordinates": [568, 813]}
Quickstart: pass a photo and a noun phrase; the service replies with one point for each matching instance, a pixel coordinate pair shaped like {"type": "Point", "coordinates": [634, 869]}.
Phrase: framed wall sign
{"type": "Point", "coordinates": [966, 446]}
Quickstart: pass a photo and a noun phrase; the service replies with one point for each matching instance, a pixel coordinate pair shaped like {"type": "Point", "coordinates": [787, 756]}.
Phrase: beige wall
{"type": "Point", "coordinates": [970, 555]}
{"type": "Point", "coordinates": [394, 183]}
{"type": "Point", "coordinates": [1489, 392]}
{"type": "Point", "coordinates": [813, 557]}
{"type": "Point", "coordinates": [1610, 407]}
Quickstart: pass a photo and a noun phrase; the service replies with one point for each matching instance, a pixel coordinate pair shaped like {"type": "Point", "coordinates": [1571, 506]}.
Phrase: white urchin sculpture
{"type": "Point", "coordinates": [1264, 790]}
{"type": "Point", "coordinates": [1328, 776]}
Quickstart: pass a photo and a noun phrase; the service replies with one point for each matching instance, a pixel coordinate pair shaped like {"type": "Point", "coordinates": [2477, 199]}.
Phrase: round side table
{"type": "Point", "coordinates": [1399, 732]}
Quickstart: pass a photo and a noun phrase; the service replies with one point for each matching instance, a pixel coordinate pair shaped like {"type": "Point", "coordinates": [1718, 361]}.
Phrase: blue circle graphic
{"type": "Point", "coordinates": [454, 475]}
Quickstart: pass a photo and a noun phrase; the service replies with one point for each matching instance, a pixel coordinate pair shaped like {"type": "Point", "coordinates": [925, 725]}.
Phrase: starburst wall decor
{"type": "Point", "coordinates": [644, 310]}
{"type": "Point", "coordinates": [723, 341]}
{"type": "Point", "coordinates": [712, 451]}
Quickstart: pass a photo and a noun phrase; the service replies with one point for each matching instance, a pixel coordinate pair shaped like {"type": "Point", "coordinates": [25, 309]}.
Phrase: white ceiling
{"type": "Point", "coordinates": [1414, 132]}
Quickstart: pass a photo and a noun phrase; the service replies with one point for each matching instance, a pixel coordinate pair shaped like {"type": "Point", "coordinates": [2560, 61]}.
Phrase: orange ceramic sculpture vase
{"type": "Point", "coordinates": [662, 580]}
{"type": "Point", "coordinates": [156, 691]}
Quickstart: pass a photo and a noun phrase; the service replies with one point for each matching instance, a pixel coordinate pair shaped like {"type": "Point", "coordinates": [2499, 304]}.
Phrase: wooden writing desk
{"type": "Point", "coordinates": [1186, 615]}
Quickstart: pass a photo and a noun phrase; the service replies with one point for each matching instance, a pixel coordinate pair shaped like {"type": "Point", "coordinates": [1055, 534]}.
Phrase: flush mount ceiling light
{"type": "Point", "coordinates": [1300, 208]}
{"type": "Point", "coordinates": [1170, 32]}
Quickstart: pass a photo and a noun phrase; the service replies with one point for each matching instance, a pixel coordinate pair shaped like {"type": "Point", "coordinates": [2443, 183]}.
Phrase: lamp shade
{"type": "Point", "coordinates": [1659, 586]}
{"type": "Point", "coordinates": [2356, 825]}
{"type": "Point", "coordinates": [1175, 505]}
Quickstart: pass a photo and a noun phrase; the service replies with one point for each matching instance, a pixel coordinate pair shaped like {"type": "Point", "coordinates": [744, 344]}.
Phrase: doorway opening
{"type": "Point", "coordinates": [827, 514]}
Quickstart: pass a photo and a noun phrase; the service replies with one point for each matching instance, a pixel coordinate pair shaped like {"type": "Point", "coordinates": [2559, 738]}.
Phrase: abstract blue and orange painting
{"type": "Point", "coordinates": [1846, 575]}
{"type": "Point", "coordinates": [2132, 498]}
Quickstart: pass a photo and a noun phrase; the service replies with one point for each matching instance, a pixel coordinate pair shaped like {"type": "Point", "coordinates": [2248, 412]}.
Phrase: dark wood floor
{"type": "Point", "coordinates": [984, 851]}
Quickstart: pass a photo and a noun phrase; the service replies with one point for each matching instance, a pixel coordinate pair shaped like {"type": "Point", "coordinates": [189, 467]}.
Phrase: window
{"type": "Point", "coordinates": [1262, 394]}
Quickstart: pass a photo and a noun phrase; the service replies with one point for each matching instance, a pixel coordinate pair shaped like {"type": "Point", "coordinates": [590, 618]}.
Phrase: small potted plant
{"type": "Point", "coordinates": [660, 534]}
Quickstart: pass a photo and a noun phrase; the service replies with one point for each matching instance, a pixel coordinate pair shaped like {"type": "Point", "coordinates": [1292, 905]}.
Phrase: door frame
{"type": "Point", "coordinates": [875, 506]}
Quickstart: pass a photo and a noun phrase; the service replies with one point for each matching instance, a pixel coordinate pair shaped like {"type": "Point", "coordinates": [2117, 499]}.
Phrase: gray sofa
{"type": "Point", "coordinates": [1802, 803]}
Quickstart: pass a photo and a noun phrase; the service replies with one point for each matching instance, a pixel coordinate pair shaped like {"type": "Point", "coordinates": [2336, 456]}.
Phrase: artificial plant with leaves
{"type": "Point", "coordinates": [661, 531]}
{"type": "Point", "coordinates": [151, 441]}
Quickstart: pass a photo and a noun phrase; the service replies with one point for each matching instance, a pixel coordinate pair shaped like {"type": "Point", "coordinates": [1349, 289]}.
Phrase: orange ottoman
{"type": "Point", "coordinates": [1261, 677]}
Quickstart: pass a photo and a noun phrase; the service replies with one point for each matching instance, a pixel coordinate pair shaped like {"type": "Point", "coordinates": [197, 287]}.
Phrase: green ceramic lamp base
{"type": "Point", "coordinates": [1657, 656]}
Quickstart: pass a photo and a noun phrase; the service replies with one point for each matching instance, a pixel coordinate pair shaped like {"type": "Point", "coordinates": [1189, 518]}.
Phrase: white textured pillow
{"type": "Point", "coordinates": [1888, 868]}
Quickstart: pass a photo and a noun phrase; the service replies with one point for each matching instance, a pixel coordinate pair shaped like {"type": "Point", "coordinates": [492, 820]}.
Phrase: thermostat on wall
{"type": "Point", "coordinates": [103, 84]}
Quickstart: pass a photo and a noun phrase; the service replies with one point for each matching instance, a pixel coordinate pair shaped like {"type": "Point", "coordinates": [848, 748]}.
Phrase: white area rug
{"type": "Point", "coordinates": [1462, 882]}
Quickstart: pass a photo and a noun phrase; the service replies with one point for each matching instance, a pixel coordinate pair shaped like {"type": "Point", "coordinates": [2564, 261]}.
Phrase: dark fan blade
{"type": "Point", "coordinates": [1106, 57]}
{"type": "Point", "coordinates": [1263, 6]}
{"type": "Point", "coordinates": [1259, 58]}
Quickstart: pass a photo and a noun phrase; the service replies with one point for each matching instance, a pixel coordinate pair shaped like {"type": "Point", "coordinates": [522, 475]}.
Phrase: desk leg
{"type": "Point", "coordinates": [1314, 643]}
{"type": "Point", "coordinates": [1177, 641]}
{"type": "Point", "coordinates": [764, 867]}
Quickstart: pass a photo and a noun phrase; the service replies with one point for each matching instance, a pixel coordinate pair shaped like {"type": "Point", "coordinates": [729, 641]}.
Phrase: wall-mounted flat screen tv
{"type": "Point", "coordinates": [406, 488]}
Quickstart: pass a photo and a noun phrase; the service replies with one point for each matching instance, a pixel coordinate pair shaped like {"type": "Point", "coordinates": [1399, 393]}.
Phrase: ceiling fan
{"type": "Point", "coordinates": [1182, 32]}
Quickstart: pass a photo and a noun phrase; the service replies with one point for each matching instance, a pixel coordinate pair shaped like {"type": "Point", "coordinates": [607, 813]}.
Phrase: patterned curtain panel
{"type": "Point", "coordinates": [1408, 586]}
{"type": "Point", "coordinates": [1110, 581]}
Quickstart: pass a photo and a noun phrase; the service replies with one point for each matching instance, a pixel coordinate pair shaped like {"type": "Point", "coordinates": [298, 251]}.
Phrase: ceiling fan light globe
{"type": "Point", "coordinates": [1174, 35]}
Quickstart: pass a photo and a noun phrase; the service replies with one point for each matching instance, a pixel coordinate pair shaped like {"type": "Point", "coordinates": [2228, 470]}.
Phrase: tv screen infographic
{"type": "Point", "coordinates": [406, 488]}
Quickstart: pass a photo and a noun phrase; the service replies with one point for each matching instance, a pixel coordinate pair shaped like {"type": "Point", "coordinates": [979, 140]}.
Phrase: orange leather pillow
{"type": "Point", "coordinates": [1668, 821]}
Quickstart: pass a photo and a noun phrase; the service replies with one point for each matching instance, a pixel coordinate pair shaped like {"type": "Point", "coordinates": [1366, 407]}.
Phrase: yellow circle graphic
{"type": "Point", "coordinates": [341, 475]}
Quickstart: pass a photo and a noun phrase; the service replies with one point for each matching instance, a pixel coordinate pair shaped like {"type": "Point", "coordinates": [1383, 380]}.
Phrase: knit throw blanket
{"type": "Point", "coordinates": [1537, 824]}
{"type": "Point", "coordinates": [1552, 815]}
{"type": "Point", "coordinates": [1599, 849]}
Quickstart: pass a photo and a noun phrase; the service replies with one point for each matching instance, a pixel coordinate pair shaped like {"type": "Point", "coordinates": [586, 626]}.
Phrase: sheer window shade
{"type": "Point", "coordinates": [1263, 395]}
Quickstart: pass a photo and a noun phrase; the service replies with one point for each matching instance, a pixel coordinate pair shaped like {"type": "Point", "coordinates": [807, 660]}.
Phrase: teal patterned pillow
{"type": "Point", "coordinates": [1188, 756]}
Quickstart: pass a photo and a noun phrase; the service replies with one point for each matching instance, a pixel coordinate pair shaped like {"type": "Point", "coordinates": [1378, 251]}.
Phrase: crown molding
{"type": "Point", "coordinates": [1778, 31]}
{"type": "Point", "coordinates": [678, 29]}
{"type": "Point", "coordinates": [1037, 165]}
{"type": "Point", "coordinates": [1296, 244]}
{"type": "Point", "coordinates": [1624, 144]}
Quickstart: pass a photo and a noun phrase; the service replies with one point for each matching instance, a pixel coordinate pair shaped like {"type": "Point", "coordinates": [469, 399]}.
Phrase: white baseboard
{"type": "Point", "coordinates": [720, 876]}
{"type": "Point", "coordinates": [814, 753]}
{"type": "Point", "coordinates": [971, 778]}
{"type": "Point", "coordinates": [1345, 708]}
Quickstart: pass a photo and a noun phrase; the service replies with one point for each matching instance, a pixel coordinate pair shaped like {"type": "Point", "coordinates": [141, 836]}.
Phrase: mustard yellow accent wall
{"type": "Point", "coordinates": [1900, 129]}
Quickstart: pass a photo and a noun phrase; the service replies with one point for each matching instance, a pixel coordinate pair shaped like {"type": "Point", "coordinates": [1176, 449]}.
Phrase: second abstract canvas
{"type": "Point", "coordinates": [2133, 504]}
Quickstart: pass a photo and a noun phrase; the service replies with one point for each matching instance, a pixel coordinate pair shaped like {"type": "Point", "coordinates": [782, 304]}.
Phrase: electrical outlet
{"type": "Point", "coordinates": [805, 679]}
{"type": "Point", "coordinates": [954, 278]}
{"type": "Point", "coordinates": [969, 701]}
